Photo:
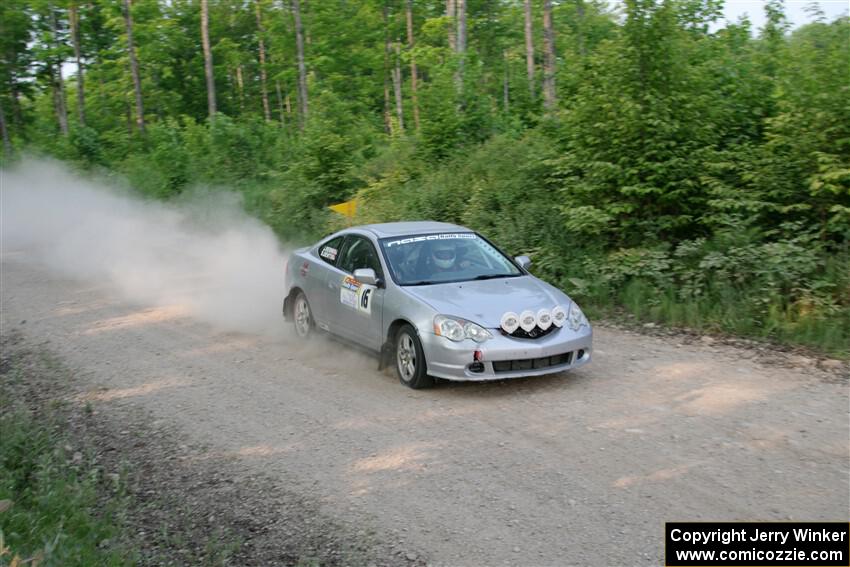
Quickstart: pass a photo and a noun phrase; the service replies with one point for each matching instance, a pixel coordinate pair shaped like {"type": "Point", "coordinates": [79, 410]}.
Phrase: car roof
{"type": "Point", "coordinates": [383, 230]}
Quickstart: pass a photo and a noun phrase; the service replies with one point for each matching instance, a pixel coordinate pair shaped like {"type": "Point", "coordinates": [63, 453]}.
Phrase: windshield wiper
{"type": "Point", "coordinates": [421, 282]}
{"type": "Point", "coordinates": [493, 276]}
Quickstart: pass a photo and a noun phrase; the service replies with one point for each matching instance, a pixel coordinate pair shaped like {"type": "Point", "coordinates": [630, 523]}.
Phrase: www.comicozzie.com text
{"type": "Point", "coordinates": [743, 534]}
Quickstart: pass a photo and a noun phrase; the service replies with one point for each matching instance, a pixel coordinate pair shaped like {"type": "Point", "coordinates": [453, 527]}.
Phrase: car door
{"type": "Point", "coordinates": [360, 306]}
{"type": "Point", "coordinates": [321, 278]}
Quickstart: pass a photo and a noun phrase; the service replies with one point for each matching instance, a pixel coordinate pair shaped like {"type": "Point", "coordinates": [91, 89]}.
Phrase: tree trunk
{"type": "Point", "coordinates": [129, 119]}
{"type": "Point", "coordinates": [263, 79]}
{"type": "Point", "coordinates": [280, 103]}
{"type": "Point", "coordinates": [461, 41]}
{"type": "Point", "coordinates": [529, 48]}
{"type": "Point", "coordinates": [413, 72]}
{"type": "Point", "coordinates": [74, 19]}
{"type": "Point", "coordinates": [388, 120]}
{"type": "Point", "coordinates": [57, 89]}
{"type": "Point", "coordinates": [134, 67]}
{"type": "Point", "coordinates": [241, 85]}
{"type": "Point", "coordinates": [549, 96]}
{"type": "Point", "coordinates": [17, 115]}
{"type": "Point", "coordinates": [4, 131]}
{"type": "Point", "coordinates": [302, 68]}
{"type": "Point", "coordinates": [580, 14]}
{"type": "Point", "coordinates": [208, 60]}
{"type": "Point", "coordinates": [399, 105]}
{"type": "Point", "coordinates": [308, 41]}
{"type": "Point", "coordinates": [56, 78]}
{"type": "Point", "coordinates": [451, 12]}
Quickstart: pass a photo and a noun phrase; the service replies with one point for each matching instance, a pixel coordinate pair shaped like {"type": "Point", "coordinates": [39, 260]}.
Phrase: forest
{"type": "Point", "coordinates": [657, 163]}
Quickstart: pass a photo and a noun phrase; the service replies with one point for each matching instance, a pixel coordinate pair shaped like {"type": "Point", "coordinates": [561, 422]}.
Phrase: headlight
{"type": "Point", "coordinates": [476, 332]}
{"type": "Point", "coordinates": [576, 318]}
{"type": "Point", "coordinates": [456, 329]}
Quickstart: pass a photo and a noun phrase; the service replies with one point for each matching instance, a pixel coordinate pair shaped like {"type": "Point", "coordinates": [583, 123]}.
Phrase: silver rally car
{"type": "Point", "coordinates": [438, 300]}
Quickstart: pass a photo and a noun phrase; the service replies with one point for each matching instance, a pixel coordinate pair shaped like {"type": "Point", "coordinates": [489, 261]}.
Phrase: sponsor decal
{"type": "Point", "coordinates": [356, 295]}
{"type": "Point", "coordinates": [413, 239]}
{"type": "Point", "coordinates": [329, 253]}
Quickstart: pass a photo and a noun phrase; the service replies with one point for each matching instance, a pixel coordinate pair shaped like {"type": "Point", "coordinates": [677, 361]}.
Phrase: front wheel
{"type": "Point", "coordinates": [302, 316]}
{"type": "Point", "coordinates": [410, 359]}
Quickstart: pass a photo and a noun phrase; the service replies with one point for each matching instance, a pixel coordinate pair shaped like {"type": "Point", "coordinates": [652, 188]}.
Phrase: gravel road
{"type": "Point", "coordinates": [572, 469]}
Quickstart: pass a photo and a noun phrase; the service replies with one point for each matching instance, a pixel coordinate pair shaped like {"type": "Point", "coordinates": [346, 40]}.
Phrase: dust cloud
{"type": "Point", "coordinates": [202, 254]}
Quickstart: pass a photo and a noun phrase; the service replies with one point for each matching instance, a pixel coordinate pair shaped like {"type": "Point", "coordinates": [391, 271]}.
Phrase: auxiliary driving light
{"type": "Point", "coordinates": [559, 316]}
{"type": "Point", "coordinates": [510, 322]}
{"type": "Point", "coordinates": [544, 319]}
{"type": "Point", "coordinates": [527, 321]}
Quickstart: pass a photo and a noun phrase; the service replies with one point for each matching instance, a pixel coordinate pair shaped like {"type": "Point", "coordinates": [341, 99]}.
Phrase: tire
{"type": "Point", "coordinates": [302, 316]}
{"type": "Point", "coordinates": [410, 359]}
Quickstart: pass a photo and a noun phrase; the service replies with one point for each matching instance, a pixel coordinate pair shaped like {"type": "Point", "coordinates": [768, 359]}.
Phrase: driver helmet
{"type": "Point", "coordinates": [443, 255]}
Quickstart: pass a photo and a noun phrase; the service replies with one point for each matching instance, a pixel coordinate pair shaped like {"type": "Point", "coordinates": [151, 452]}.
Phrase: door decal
{"type": "Point", "coordinates": [356, 295]}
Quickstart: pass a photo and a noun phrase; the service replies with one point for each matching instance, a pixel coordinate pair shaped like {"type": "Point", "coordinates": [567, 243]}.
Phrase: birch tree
{"type": "Point", "coordinates": [55, 71]}
{"type": "Point", "coordinates": [302, 67]}
{"type": "Point", "coordinates": [4, 131]}
{"type": "Point", "coordinates": [134, 67]}
{"type": "Point", "coordinates": [264, 92]}
{"type": "Point", "coordinates": [74, 21]}
{"type": "Point", "coordinates": [529, 48]}
{"type": "Point", "coordinates": [208, 59]}
{"type": "Point", "coordinates": [549, 95]}
{"type": "Point", "coordinates": [399, 105]}
{"type": "Point", "coordinates": [460, 46]}
{"type": "Point", "coordinates": [451, 13]}
{"type": "Point", "coordinates": [413, 71]}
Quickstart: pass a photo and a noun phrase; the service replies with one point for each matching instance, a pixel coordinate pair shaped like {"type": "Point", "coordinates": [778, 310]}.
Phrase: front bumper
{"type": "Point", "coordinates": [534, 357]}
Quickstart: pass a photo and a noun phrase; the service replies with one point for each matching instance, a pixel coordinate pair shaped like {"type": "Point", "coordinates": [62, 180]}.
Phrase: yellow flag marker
{"type": "Point", "coordinates": [346, 209]}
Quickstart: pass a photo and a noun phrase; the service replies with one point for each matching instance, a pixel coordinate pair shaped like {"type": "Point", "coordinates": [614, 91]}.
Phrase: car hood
{"type": "Point", "coordinates": [484, 302]}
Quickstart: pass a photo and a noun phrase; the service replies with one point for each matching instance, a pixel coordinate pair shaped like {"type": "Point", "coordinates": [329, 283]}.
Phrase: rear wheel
{"type": "Point", "coordinates": [410, 359]}
{"type": "Point", "coordinates": [302, 316]}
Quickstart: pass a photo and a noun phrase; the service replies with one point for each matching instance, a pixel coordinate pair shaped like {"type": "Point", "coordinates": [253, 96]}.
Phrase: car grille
{"type": "Point", "coordinates": [534, 333]}
{"type": "Point", "coordinates": [532, 363]}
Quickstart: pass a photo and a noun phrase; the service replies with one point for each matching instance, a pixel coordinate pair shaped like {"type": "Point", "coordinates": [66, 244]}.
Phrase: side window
{"type": "Point", "coordinates": [329, 251]}
{"type": "Point", "coordinates": [359, 253]}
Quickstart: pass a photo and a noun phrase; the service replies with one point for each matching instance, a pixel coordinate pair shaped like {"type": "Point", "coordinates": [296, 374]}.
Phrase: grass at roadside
{"type": "Point", "coordinates": [63, 501]}
{"type": "Point", "coordinates": [758, 296]}
{"type": "Point", "coordinates": [93, 483]}
{"type": "Point", "coordinates": [737, 315]}
{"type": "Point", "coordinates": [50, 513]}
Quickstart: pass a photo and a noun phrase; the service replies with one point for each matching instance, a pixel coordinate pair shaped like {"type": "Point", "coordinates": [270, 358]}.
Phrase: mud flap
{"type": "Point", "coordinates": [286, 309]}
{"type": "Point", "coordinates": [385, 358]}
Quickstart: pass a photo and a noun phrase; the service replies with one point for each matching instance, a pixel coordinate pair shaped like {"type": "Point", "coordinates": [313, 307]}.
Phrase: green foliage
{"type": "Point", "coordinates": [737, 281]}
{"type": "Point", "coordinates": [53, 500]}
{"type": "Point", "coordinates": [691, 173]}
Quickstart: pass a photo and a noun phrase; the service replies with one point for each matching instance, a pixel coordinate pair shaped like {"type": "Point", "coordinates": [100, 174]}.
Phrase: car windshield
{"type": "Point", "coordinates": [425, 259]}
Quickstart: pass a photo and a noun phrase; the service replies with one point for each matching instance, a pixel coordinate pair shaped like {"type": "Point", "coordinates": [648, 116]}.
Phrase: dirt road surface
{"type": "Point", "coordinates": [573, 469]}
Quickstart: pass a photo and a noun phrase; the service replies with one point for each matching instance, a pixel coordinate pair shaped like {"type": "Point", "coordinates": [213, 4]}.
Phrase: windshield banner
{"type": "Point", "coordinates": [413, 239]}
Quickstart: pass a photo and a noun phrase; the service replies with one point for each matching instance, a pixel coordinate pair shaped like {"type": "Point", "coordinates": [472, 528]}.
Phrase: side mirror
{"type": "Point", "coordinates": [523, 261]}
{"type": "Point", "coordinates": [366, 276]}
